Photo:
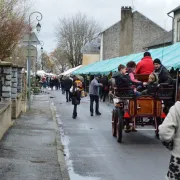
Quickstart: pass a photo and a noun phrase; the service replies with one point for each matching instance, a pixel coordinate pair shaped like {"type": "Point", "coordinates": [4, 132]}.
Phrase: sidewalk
{"type": "Point", "coordinates": [28, 151]}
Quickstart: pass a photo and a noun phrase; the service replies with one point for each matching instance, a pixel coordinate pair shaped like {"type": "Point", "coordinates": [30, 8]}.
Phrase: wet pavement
{"type": "Point", "coordinates": [28, 150]}
{"type": "Point", "coordinates": [93, 154]}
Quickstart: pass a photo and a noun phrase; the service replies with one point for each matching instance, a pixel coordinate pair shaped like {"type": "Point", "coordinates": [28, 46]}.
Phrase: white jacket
{"type": "Point", "coordinates": [169, 130]}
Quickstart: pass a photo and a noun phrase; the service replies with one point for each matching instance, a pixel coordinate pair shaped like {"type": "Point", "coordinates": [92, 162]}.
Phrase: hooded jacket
{"type": "Point", "coordinates": [145, 66]}
{"type": "Point", "coordinates": [169, 131]}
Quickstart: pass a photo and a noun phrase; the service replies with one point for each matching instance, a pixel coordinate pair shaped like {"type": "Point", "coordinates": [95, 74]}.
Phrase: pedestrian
{"type": "Point", "coordinates": [145, 66]}
{"type": "Point", "coordinates": [94, 94]}
{"type": "Point", "coordinates": [76, 98]}
{"type": "Point", "coordinates": [163, 74]}
{"type": "Point", "coordinates": [169, 133]}
{"type": "Point", "coordinates": [62, 85]}
{"type": "Point", "coordinates": [67, 86]}
{"type": "Point", "coordinates": [104, 88]}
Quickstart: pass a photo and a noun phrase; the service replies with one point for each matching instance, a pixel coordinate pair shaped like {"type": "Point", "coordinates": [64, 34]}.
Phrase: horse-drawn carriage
{"type": "Point", "coordinates": [140, 111]}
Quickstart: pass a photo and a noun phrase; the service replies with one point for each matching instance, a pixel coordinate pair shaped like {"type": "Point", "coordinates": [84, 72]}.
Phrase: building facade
{"type": "Point", "coordinates": [91, 52]}
{"type": "Point", "coordinates": [176, 24]}
{"type": "Point", "coordinates": [130, 35]}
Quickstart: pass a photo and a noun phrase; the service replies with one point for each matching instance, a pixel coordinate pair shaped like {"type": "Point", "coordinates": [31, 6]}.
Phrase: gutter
{"type": "Point", "coordinates": [172, 26]}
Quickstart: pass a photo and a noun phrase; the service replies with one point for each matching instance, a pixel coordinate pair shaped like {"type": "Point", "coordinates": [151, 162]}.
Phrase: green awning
{"type": "Point", "coordinates": [169, 56]}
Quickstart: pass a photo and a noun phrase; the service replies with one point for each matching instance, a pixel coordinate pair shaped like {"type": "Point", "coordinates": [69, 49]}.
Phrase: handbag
{"type": "Point", "coordinates": [168, 145]}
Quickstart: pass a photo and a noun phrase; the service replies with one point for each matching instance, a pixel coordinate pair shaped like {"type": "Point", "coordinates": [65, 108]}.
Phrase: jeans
{"type": "Point", "coordinates": [75, 110]}
{"type": "Point", "coordinates": [92, 99]}
{"type": "Point", "coordinates": [67, 95]}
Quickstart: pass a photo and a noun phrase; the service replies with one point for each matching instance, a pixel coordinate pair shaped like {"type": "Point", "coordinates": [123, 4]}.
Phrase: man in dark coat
{"type": "Point", "coordinates": [163, 74]}
{"type": "Point", "coordinates": [67, 86]}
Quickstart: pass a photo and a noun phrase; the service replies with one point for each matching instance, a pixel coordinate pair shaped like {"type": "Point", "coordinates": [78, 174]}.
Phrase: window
{"type": "Point", "coordinates": [178, 30]}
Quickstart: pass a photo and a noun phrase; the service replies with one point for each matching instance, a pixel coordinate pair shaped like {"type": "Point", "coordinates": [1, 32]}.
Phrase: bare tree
{"type": "Point", "coordinates": [47, 63]}
{"type": "Point", "coordinates": [73, 33]}
{"type": "Point", "coordinates": [12, 25]}
{"type": "Point", "coordinates": [60, 60]}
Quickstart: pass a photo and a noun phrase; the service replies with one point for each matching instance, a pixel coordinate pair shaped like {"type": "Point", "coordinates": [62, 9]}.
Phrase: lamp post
{"type": "Point", "coordinates": [38, 28]}
{"type": "Point", "coordinates": [42, 44]}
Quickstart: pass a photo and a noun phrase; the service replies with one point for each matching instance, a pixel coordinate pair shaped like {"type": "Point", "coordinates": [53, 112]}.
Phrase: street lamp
{"type": "Point", "coordinates": [38, 28]}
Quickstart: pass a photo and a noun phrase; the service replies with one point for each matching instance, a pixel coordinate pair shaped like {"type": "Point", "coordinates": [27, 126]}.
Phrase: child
{"type": "Point", "coordinates": [151, 85]}
{"type": "Point", "coordinates": [76, 97]}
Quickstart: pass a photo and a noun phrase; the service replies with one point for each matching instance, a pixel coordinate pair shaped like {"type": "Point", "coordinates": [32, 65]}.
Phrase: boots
{"type": "Point", "coordinates": [74, 115]}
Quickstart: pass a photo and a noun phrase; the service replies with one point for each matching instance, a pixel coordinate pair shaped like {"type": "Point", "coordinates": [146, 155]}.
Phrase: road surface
{"type": "Point", "coordinates": [92, 153]}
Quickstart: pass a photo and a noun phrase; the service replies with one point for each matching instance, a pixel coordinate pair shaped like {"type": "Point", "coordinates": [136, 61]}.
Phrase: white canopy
{"type": "Point", "coordinates": [41, 73]}
{"type": "Point", "coordinates": [70, 71]}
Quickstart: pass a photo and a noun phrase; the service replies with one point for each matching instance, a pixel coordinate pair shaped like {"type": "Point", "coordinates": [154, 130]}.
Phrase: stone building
{"type": "Point", "coordinates": [130, 35]}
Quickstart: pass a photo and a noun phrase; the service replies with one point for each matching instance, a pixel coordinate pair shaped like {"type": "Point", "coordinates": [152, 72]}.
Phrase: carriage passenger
{"type": "Point", "coordinates": [151, 85]}
{"type": "Point", "coordinates": [123, 80]}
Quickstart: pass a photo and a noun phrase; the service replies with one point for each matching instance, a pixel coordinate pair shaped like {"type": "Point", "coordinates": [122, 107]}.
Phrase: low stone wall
{"type": "Point", "coordinates": [23, 106]}
{"type": "Point", "coordinates": [5, 118]}
{"type": "Point", "coordinates": [16, 106]}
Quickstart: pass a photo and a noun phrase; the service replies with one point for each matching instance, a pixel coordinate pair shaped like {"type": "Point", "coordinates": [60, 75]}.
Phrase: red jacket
{"type": "Point", "coordinates": [145, 66]}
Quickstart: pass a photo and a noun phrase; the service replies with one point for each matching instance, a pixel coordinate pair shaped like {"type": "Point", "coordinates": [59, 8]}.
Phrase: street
{"type": "Point", "coordinates": [92, 153]}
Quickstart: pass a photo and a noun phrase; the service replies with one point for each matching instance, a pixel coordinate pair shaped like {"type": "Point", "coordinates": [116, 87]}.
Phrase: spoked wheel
{"type": "Point", "coordinates": [119, 126]}
{"type": "Point", "coordinates": [114, 121]}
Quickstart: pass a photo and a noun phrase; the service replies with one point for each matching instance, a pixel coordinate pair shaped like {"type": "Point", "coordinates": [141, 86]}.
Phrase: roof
{"type": "Point", "coordinates": [133, 12]}
{"type": "Point", "coordinates": [93, 47]}
{"type": "Point", "coordinates": [165, 39]}
{"type": "Point", "coordinates": [169, 56]}
{"type": "Point", "coordinates": [178, 8]}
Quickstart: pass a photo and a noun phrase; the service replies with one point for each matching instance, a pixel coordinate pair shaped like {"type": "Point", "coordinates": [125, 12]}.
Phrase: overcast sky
{"type": "Point", "coordinates": [106, 12]}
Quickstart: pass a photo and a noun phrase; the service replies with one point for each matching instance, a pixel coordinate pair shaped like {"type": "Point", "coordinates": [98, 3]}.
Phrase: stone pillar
{"type": "Point", "coordinates": [19, 84]}
{"type": "Point", "coordinates": [6, 70]}
{"type": "Point", "coordinates": [14, 81]}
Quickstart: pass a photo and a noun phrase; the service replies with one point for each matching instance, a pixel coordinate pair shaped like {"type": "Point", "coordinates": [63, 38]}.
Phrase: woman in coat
{"type": "Point", "coordinates": [169, 133]}
{"type": "Point", "coordinates": [76, 98]}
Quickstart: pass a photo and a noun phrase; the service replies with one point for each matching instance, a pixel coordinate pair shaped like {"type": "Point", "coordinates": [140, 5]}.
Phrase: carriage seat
{"type": "Point", "coordinates": [165, 91]}
{"type": "Point", "coordinates": [124, 93]}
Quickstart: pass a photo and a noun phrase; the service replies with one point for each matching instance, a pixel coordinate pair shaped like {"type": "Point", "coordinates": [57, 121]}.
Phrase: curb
{"type": "Point", "coordinates": [59, 146]}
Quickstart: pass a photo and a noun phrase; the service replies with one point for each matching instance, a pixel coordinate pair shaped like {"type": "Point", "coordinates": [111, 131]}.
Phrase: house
{"type": "Point", "coordinates": [130, 35]}
{"type": "Point", "coordinates": [91, 52]}
{"type": "Point", "coordinates": [176, 24]}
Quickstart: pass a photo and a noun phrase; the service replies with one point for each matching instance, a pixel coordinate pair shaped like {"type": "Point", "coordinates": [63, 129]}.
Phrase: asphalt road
{"type": "Point", "coordinates": [93, 153]}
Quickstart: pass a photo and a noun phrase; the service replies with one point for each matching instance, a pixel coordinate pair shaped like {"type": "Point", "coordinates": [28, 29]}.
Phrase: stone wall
{"type": "Point", "coordinates": [14, 81]}
{"type": "Point", "coordinates": [145, 31]}
{"type": "Point", "coordinates": [111, 40]}
{"type": "Point", "coordinates": [130, 35]}
{"type": "Point", "coordinates": [5, 118]}
{"type": "Point", "coordinates": [6, 83]}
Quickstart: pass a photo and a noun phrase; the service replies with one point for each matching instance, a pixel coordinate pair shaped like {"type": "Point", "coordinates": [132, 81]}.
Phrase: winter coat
{"type": "Point", "coordinates": [132, 78]}
{"type": "Point", "coordinates": [67, 84]}
{"type": "Point", "coordinates": [75, 95]}
{"type": "Point", "coordinates": [163, 75]}
{"type": "Point", "coordinates": [94, 87]}
{"type": "Point", "coordinates": [169, 133]}
{"type": "Point", "coordinates": [122, 80]}
{"type": "Point", "coordinates": [145, 66]}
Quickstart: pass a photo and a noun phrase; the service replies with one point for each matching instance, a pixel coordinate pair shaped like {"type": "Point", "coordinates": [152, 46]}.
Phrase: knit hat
{"type": "Point", "coordinates": [157, 61]}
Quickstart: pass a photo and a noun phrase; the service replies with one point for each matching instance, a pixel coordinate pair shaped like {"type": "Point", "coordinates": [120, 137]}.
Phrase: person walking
{"type": "Point", "coordinates": [94, 94]}
{"type": "Point", "coordinates": [67, 86]}
{"type": "Point", "coordinates": [169, 133]}
{"type": "Point", "coordinates": [76, 98]}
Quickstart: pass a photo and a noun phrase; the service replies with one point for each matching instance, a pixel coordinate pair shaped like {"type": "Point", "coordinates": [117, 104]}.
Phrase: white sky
{"type": "Point", "coordinates": [106, 12]}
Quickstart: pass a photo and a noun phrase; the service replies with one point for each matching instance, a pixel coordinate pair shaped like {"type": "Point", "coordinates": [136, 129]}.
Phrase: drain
{"type": "Point", "coordinates": [39, 162]}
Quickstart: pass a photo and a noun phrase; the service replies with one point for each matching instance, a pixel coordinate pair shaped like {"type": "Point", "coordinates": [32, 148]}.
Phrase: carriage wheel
{"type": "Point", "coordinates": [119, 127]}
{"type": "Point", "coordinates": [114, 121]}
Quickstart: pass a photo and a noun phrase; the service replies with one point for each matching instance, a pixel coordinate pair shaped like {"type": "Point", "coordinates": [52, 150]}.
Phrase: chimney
{"type": "Point", "coordinates": [126, 31]}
